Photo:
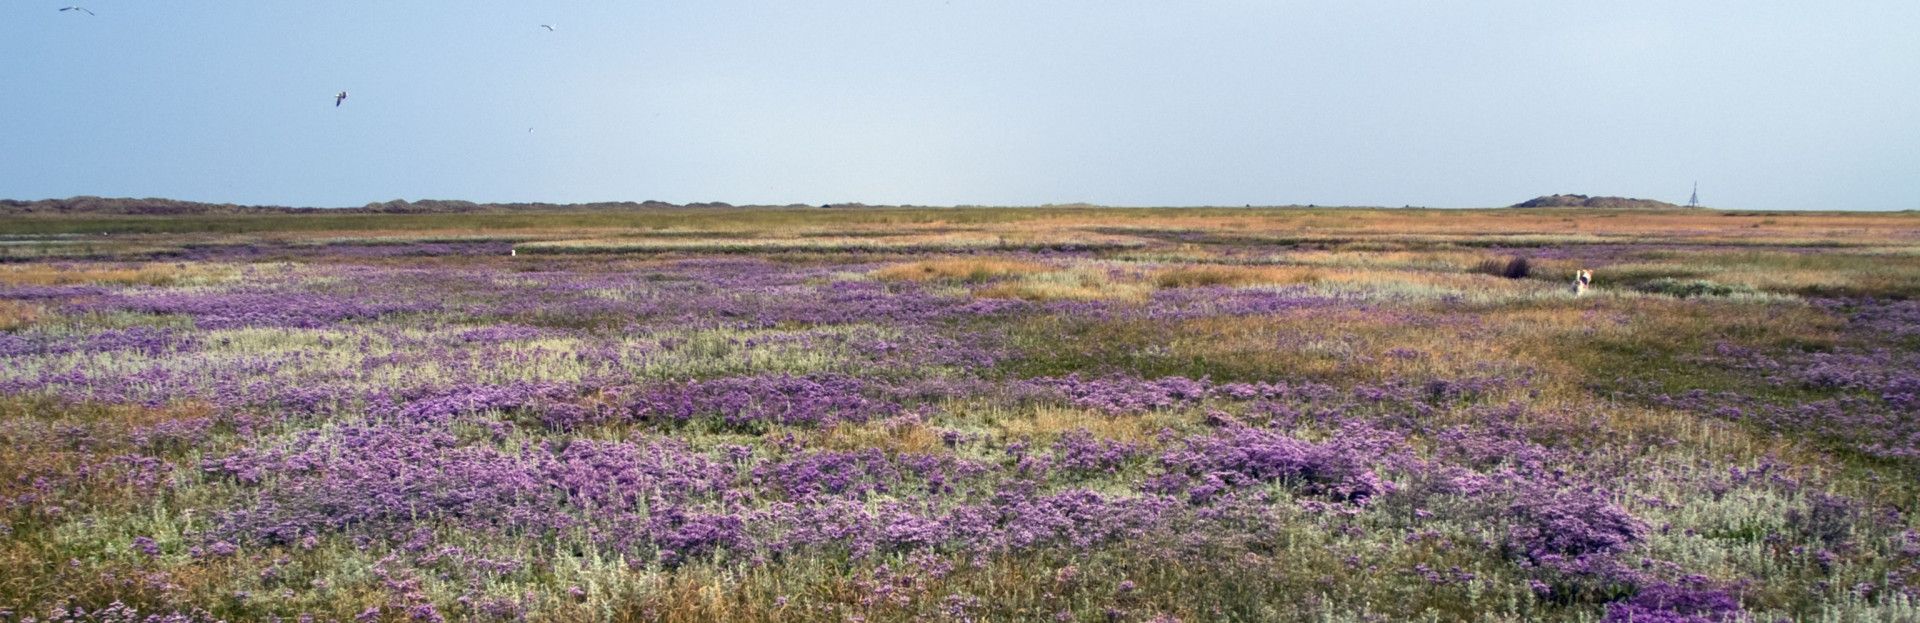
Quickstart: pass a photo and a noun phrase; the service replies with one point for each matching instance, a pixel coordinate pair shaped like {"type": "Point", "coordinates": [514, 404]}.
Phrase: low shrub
{"type": "Point", "coordinates": [1511, 268]}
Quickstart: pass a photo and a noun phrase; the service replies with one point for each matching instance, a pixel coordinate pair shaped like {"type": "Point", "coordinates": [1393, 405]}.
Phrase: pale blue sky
{"type": "Point", "coordinates": [1778, 105]}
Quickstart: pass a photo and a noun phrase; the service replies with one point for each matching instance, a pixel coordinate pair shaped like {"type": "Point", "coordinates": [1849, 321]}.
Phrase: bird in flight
{"type": "Point", "coordinates": [549, 27]}
{"type": "Point", "coordinates": [339, 98]}
{"type": "Point", "coordinates": [77, 8]}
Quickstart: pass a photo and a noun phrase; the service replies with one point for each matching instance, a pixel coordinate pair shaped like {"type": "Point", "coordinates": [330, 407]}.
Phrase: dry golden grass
{"type": "Point", "coordinates": [1220, 275]}
{"type": "Point", "coordinates": [972, 270]}
{"type": "Point", "coordinates": [1048, 423]}
{"type": "Point", "coordinates": [1041, 292]}
{"type": "Point", "coordinates": [17, 315]}
{"type": "Point", "coordinates": [154, 274]}
{"type": "Point", "coordinates": [890, 437]}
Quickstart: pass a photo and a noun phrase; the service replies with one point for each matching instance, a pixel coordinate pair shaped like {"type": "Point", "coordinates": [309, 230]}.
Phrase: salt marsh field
{"type": "Point", "coordinates": [879, 415]}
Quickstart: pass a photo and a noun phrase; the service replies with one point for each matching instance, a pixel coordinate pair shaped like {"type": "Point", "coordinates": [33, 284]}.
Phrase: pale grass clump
{"type": "Point", "coordinates": [273, 340]}
{"type": "Point", "coordinates": [706, 353]}
{"type": "Point", "coordinates": [1454, 287]}
{"type": "Point", "coordinates": [971, 270]}
{"type": "Point", "coordinates": [1723, 536]}
{"type": "Point", "coordinates": [1078, 284]}
{"type": "Point", "coordinates": [664, 355]}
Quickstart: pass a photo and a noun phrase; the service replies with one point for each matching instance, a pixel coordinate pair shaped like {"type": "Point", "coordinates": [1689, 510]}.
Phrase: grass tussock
{"type": "Point", "coordinates": [1236, 276]}
{"type": "Point", "coordinates": [967, 270]}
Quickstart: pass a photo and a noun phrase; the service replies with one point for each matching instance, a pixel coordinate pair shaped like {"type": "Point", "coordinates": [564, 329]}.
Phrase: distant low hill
{"type": "Point", "coordinates": [165, 207]}
{"type": "Point", "coordinates": [1583, 201]}
{"type": "Point", "coordinates": [127, 206]}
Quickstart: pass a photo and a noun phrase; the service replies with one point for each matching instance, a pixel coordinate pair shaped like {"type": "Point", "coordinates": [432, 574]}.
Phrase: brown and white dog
{"type": "Point", "coordinates": [1582, 279]}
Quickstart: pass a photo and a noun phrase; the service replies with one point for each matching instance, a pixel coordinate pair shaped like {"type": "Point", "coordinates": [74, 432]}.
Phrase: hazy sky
{"type": "Point", "coordinates": [1788, 105]}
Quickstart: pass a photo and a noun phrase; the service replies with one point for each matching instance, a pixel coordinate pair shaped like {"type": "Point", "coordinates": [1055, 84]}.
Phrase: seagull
{"type": "Point", "coordinates": [549, 27]}
{"type": "Point", "coordinates": [339, 98]}
{"type": "Point", "coordinates": [77, 8]}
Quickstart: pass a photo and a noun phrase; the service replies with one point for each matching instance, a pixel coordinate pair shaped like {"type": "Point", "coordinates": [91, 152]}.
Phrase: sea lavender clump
{"type": "Point", "coordinates": [1242, 456]}
{"type": "Point", "coordinates": [1550, 522]}
{"type": "Point", "coordinates": [1667, 603]}
{"type": "Point", "coordinates": [1082, 452]}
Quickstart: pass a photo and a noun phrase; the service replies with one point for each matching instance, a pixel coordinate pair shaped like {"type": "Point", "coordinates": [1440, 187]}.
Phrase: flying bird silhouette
{"type": "Point", "coordinates": [549, 27]}
{"type": "Point", "coordinates": [339, 98]}
{"type": "Point", "coordinates": [77, 8]}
